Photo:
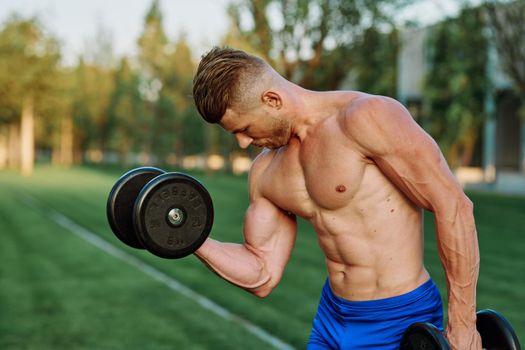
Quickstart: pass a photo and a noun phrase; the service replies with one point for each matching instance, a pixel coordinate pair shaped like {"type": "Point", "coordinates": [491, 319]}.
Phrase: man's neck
{"type": "Point", "coordinates": [313, 107]}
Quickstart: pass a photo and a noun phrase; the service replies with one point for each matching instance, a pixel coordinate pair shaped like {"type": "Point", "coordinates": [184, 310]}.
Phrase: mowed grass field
{"type": "Point", "coordinates": [58, 291]}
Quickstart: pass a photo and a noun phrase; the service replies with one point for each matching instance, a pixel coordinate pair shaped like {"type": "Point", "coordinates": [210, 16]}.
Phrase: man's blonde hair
{"type": "Point", "coordinates": [219, 78]}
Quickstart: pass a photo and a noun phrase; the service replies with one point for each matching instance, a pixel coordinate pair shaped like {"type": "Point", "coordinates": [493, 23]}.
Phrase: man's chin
{"type": "Point", "coordinates": [273, 145]}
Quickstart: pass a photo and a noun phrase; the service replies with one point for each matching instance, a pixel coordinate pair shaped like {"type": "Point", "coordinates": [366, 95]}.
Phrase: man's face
{"type": "Point", "coordinates": [257, 127]}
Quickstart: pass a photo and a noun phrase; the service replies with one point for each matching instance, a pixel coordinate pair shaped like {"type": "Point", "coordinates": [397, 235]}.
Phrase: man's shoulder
{"type": "Point", "coordinates": [274, 166]}
{"type": "Point", "coordinates": [370, 111]}
{"type": "Point", "coordinates": [259, 165]}
{"type": "Point", "coordinates": [263, 158]}
{"type": "Point", "coordinates": [369, 105]}
{"type": "Point", "coordinates": [370, 120]}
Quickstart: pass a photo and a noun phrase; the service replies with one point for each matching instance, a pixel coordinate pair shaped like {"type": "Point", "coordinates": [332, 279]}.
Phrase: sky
{"type": "Point", "coordinates": [205, 22]}
{"type": "Point", "coordinates": [75, 22]}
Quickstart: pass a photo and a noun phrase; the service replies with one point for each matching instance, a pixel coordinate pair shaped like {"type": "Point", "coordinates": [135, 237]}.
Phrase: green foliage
{"type": "Point", "coordinates": [152, 42]}
{"type": "Point", "coordinates": [193, 134]}
{"type": "Point", "coordinates": [375, 63]}
{"type": "Point", "coordinates": [91, 99]}
{"type": "Point", "coordinates": [53, 107]}
{"type": "Point", "coordinates": [311, 42]}
{"type": "Point", "coordinates": [507, 20]}
{"type": "Point", "coordinates": [186, 136]}
{"type": "Point", "coordinates": [456, 83]}
{"type": "Point", "coordinates": [166, 83]}
{"type": "Point", "coordinates": [126, 112]}
{"type": "Point", "coordinates": [145, 105]}
{"type": "Point", "coordinates": [28, 66]}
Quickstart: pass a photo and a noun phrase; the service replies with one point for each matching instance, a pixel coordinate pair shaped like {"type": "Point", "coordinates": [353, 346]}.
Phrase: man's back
{"type": "Point", "coordinates": [370, 233]}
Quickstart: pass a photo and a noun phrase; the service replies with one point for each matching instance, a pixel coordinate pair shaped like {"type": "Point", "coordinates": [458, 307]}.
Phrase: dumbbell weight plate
{"type": "Point", "coordinates": [173, 215]}
{"type": "Point", "coordinates": [496, 332]}
{"type": "Point", "coordinates": [424, 336]}
{"type": "Point", "coordinates": [119, 208]}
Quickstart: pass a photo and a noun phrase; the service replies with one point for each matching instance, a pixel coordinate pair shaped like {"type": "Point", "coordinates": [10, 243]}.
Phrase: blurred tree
{"type": "Point", "coordinates": [54, 133]}
{"type": "Point", "coordinates": [160, 105]}
{"type": "Point", "coordinates": [126, 113]}
{"type": "Point", "coordinates": [166, 73]}
{"type": "Point", "coordinates": [311, 42]}
{"type": "Point", "coordinates": [98, 50]}
{"type": "Point", "coordinates": [177, 75]}
{"type": "Point", "coordinates": [81, 113]}
{"type": "Point", "coordinates": [375, 62]}
{"type": "Point", "coordinates": [507, 20]}
{"type": "Point", "coordinates": [90, 106]}
{"type": "Point", "coordinates": [28, 68]}
{"type": "Point", "coordinates": [98, 55]}
{"type": "Point", "coordinates": [235, 36]}
{"type": "Point", "coordinates": [317, 44]}
{"type": "Point", "coordinates": [153, 44]}
{"type": "Point", "coordinates": [455, 85]}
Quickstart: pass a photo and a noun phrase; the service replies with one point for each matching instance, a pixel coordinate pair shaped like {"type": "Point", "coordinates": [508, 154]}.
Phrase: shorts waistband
{"type": "Point", "coordinates": [379, 304]}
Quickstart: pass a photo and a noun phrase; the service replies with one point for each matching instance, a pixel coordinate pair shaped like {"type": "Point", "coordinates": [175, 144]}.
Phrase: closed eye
{"type": "Point", "coordinates": [236, 131]}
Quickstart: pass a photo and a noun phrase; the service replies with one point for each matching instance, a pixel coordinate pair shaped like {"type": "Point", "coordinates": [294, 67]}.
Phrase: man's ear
{"type": "Point", "coordinates": [272, 99]}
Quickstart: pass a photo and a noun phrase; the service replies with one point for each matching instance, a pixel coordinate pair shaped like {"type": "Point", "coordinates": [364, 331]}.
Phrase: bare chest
{"type": "Point", "coordinates": [318, 174]}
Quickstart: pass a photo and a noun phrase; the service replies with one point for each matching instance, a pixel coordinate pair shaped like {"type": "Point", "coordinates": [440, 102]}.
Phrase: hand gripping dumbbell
{"type": "Point", "coordinates": [495, 331]}
{"type": "Point", "coordinates": [168, 214]}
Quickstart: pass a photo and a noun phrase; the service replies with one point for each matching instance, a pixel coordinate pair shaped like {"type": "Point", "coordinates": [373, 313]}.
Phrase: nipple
{"type": "Point", "coordinates": [340, 188]}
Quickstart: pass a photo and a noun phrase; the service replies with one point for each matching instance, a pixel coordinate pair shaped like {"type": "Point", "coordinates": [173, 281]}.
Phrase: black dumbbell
{"type": "Point", "coordinates": [495, 331]}
{"type": "Point", "coordinates": [168, 214]}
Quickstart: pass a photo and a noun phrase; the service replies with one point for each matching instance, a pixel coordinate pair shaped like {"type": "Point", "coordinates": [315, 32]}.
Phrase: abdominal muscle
{"type": "Point", "coordinates": [374, 256]}
{"type": "Point", "coordinates": [370, 232]}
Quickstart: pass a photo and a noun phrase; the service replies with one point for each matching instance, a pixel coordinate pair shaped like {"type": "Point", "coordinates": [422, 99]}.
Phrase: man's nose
{"type": "Point", "coordinates": [243, 140]}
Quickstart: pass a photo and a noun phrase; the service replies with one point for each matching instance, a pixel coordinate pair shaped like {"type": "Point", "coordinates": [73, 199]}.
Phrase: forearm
{"type": "Point", "coordinates": [458, 247]}
{"type": "Point", "coordinates": [236, 263]}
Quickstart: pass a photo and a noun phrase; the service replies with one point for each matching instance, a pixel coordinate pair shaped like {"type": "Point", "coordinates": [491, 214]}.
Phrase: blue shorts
{"type": "Point", "coordinates": [375, 324]}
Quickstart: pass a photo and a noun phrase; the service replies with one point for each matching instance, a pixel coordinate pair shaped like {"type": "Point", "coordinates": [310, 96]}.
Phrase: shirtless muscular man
{"type": "Point", "coordinates": [361, 171]}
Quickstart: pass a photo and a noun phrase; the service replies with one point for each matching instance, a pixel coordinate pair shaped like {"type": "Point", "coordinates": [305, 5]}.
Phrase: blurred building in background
{"type": "Point", "coordinates": [499, 156]}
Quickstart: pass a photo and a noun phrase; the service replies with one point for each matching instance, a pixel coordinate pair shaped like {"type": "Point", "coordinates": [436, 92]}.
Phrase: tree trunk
{"type": "Point", "coordinates": [55, 151]}
{"type": "Point", "coordinates": [66, 141]}
{"type": "Point", "coordinates": [452, 156]}
{"type": "Point", "coordinates": [123, 151]}
{"type": "Point", "coordinates": [468, 147]}
{"type": "Point", "coordinates": [13, 146]}
{"type": "Point", "coordinates": [3, 148]}
{"type": "Point", "coordinates": [63, 145]}
{"type": "Point", "coordinates": [27, 138]}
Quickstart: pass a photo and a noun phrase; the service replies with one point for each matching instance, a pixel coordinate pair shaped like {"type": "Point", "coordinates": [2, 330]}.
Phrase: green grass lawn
{"type": "Point", "coordinates": [59, 292]}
